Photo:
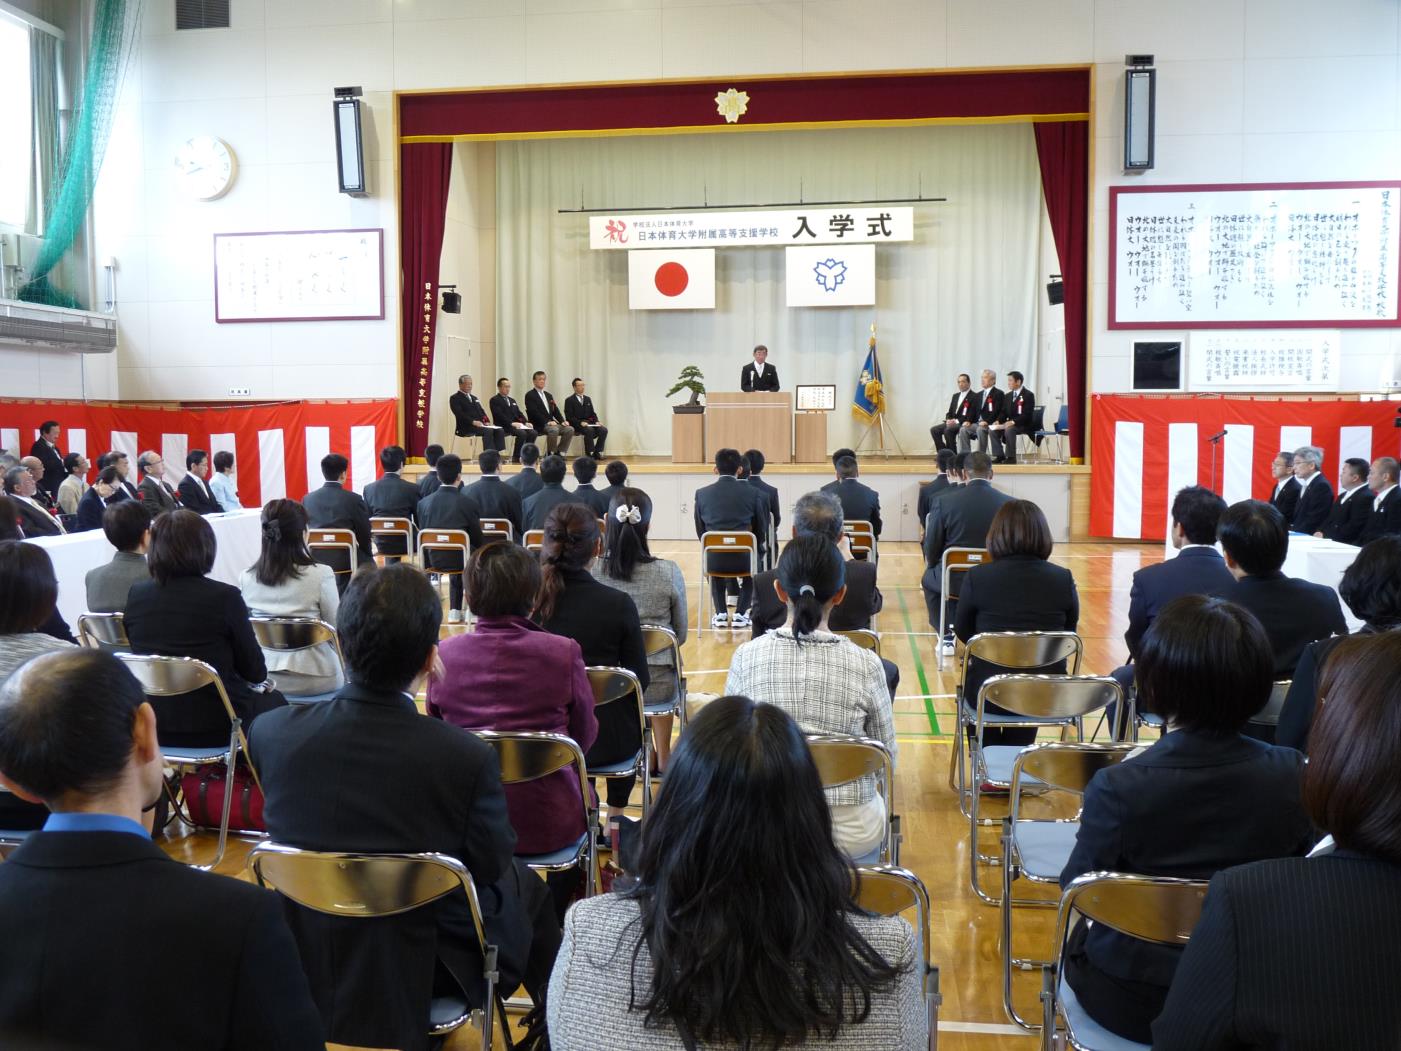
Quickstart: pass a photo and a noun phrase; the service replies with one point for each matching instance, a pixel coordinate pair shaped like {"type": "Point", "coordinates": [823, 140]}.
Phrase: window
{"type": "Point", "coordinates": [16, 127]}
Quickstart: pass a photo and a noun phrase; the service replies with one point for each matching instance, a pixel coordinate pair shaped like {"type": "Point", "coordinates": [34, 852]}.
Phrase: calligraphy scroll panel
{"type": "Point", "coordinates": [1254, 255]}
{"type": "Point", "coordinates": [299, 275]}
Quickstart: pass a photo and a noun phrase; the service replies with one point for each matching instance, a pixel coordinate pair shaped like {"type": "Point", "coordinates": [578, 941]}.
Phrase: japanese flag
{"type": "Point", "coordinates": [676, 279]}
{"type": "Point", "coordinates": [835, 275]}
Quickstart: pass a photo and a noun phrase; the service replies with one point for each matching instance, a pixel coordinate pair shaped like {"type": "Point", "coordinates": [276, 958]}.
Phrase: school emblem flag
{"type": "Point", "coordinates": [831, 275]}
{"type": "Point", "coordinates": [869, 400]}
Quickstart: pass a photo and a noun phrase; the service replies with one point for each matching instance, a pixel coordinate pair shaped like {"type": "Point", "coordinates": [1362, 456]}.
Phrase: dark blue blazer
{"type": "Point", "coordinates": [1195, 571]}
{"type": "Point", "coordinates": [1293, 612]}
{"type": "Point", "coordinates": [860, 503]}
{"type": "Point", "coordinates": [1347, 518]}
{"type": "Point", "coordinates": [771, 493]}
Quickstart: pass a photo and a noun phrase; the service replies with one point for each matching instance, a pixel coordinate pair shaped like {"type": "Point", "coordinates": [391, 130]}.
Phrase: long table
{"type": "Point", "coordinates": [236, 533]}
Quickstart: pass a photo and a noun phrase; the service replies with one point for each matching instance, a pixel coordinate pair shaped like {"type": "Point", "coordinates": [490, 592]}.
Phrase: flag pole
{"type": "Point", "coordinates": [878, 424]}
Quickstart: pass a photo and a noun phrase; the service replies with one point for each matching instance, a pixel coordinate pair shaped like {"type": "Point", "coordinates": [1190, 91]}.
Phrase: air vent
{"type": "Point", "coordinates": [201, 14]}
{"type": "Point", "coordinates": [80, 330]}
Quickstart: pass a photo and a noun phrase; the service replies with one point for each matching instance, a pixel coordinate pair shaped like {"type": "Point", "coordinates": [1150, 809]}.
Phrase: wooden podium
{"type": "Point", "coordinates": [760, 420]}
{"type": "Point", "coordinates": [688, 437]}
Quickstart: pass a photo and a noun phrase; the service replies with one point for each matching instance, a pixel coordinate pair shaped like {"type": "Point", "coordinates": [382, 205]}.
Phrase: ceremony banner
{"type": "Point", "coordinates": [750, 229]}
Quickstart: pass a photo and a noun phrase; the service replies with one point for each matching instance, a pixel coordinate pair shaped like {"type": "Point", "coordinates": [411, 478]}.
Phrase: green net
{"type": "Point", "coordinates": [69, 193]}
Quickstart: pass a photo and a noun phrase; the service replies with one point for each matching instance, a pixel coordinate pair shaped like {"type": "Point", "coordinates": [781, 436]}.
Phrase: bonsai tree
{"type": "Point", "coordinates": [690, 379]}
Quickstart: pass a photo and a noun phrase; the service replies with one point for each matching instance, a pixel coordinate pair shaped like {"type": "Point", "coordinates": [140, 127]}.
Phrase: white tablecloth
{"type": "Point", "coordinates": [236, 532]}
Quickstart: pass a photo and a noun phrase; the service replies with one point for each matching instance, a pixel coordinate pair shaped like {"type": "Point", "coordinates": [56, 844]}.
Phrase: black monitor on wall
{"type": "Point", "coordinates": [1157, 366]}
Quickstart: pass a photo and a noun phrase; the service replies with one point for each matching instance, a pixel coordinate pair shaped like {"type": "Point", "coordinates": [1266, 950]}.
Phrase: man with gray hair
{"type": "Point", "coordinates": [156, 492]}
{"type": "Point", "coordinates": [1315, 494]}
{"type": "Point", "coordinates": [470, 414]}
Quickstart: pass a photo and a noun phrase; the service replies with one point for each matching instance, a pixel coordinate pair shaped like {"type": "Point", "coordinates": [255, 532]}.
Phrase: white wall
{"type": "Point", "coordinates": [1248, 90]}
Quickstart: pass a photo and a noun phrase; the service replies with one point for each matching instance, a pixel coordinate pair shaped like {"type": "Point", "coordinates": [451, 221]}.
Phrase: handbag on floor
{"type": "Point", "coordinates": [204, 788]}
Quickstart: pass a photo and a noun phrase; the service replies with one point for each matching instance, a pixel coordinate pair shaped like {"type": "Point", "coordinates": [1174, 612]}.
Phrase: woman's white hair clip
{"type": "Point", "coordinates": [624, 513]}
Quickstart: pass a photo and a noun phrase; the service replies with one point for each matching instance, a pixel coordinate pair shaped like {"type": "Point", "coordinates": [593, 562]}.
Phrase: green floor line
{"type": "Point", "coordinates": [919, 665]}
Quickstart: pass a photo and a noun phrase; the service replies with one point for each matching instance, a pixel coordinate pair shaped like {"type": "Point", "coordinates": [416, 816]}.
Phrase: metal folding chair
{"type": "Point", "coordinates": [534, 540]}
{"type": "Point", "coordinates": [1038, 429]}
{"type": "Point", "coordinates": [289, 634]}
{"type": "Point", "coordinates": [1263, 722]}
{"type": "Point", "coordinates": [863, 637]}
{"type": "Point", "coordinates": [718, 541]}
{"type": "Point", "coordinates": [103, 631]}
{"type": "Point", "coordinates": [444, 540]}
{"type": "Point", "coordinates": [1037, 850]}
{"type": "Point", "coordinates": [498, 529]}
{"type": "Point", "coordinates": [955, 560]}
{"type": "Point", "coordinates": [1151, 908]}
{"type": "Point", "coordinates": [392, 536]}
{"type": "Point", "coordinates": [861, 535]}
{"type": "Point", "coordinates": [841, 759]}
{"type": "Point", "coordinates": [889, 891]}
{"type": "Point", "coordinates": [371, 886]}
{"type": "Point", "coordinates": [657, 638]}
{"type": "Point", "coordinates": [336, 548]}
{"type": "Point", "coordinates": [619, 686]}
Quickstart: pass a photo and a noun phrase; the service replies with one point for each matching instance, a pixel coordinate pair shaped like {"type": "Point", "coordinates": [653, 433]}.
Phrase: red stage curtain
{"type": "Point", "coordinates": [424, 171]}
{"type": "Point", "coordinates": [1063, 151]}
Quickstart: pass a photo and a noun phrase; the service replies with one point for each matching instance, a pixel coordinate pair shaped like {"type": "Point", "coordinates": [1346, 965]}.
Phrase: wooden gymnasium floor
{"type": "Point", "coordinates": [965, 933]}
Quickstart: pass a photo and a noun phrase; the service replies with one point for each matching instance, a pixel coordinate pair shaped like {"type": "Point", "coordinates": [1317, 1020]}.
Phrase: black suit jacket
{"type": "Point", "coordinates": [862, 602]}
{"type": "Point", "coordinates": [91, 506]}
{"type": "Point", "coordinates": [1019, 414]}
{"type": "Point", "coordinates": [990, 408]}
{"type": "Point", "coordinates": [771, 493]}
{"type": "Point", "coordinates": [332, 507]}
{"type": "Point", "coordinates": [1385, 517]}
{"type": "Point", "coordinates": [596, 499]}
{"type": "Point", "coordinates": [860, 503]}
{"type": "Point", "coordinates": [97, 928]}
{"type": "Point", "coordinates": [495, 499]}
{"type": "Point", "coordinates": [959, 518]}
{"type": "Point", "coordinates": [526, 481]}
{"type": "Point", "coordinates": [1286, 499]}
{"type": "Point", "coordinates": [603, 621]}
{"type": "Point", "coordinates": [34, 521]}
{"type": "Point", "coordinates": [537, 508]}
{"type": "Point", "coordinates": [1188, 806]}
{"type": "Point", "coordinates": [541, 409]}
{"type": "Point", "coordinates": [505, 411]}
{"type": "Point", "coordinates": [580, 415]}
{"type": "Point", "coordinates": [428, 484]}
{"type": "Point", "coordinates": [1295, 953]}
{"type": "Point", "coordinates": [197, 497]}
{"type": "Point", "coordinates": [448, 508]}
{"type": "Point", "coordinates": [1313, 506]}
{"type": "Point", "coordinates": [963, 406]}
{"type": "Point", "coordinates": [53, 466]}
{"type": "Point", "coordinates": [1348, 517]}
{"type": "Point", "coordinates": [927, 494]}
{"type": "Point", "coordinates": [367, 772]}
{"type": "Point", "coordinates": [750, 378]}
{"type": "Point", "coordinates": [1195, 571]}
{"type": "Point", "coordinates": [467, 411]}
{"type": "Point", "coordinates": [392, 497]}
{"type": "Point", "coordinates": [1293, 612]}
{"type": "Point", "coordinates": [158, 495]}
{"type": "Point", "coordinates": [1300, 704]}
{"type": "Point", "coordinates": [728, 504]}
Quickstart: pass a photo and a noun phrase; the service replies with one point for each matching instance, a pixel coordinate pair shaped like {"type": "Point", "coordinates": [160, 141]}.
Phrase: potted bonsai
{"type": "Point", "coordinates": [690, 379]}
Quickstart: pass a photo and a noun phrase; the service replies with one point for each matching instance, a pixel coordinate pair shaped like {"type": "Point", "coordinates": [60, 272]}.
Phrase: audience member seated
{"type": "Point", "coordinates": [527, 481]}
{"type": "Point", "coordinates": [860, 503]}
{"type": "Point", "coordinates": [392, 497]}
{"type": "Point", "coordinates": [550, 495]}
{"type": "Point", "coordinates": [28, 602]}
{"type": "Point", "coordinates": [1349, 513]}
{"type": "Point", "coordinates": [603, 621]}
{"type": "Point", "coordinates": [657, 590]}
{"type": "Point", "coordinates": [195, 493]}
{"type": "Point", "coordinates": [825, 682]}
{"type": "Point", "coordinates": [493, 497]}
{"type": "Point", "coordinates": [960, 517]}
{"type": "Point", "coordinates": [118, 459]}
{"type": "Point", "coordinates": [127, 526]}
{"type": "Point", "coordinates": [938, 484]}
{"type": "Point", "coordinates": [1371, 587]}
{"type": "Point", "coordinates": [45, 499]}
{"type": "Point", "coordinates": [1018, 590]}
{"type": "Point", "coordinates": [714, 944]}
{"type": "Point", "coordinates": [1203, 797]}
{"type": "Point", "coordinates": [429, 482]}
{"type": "Point", "coordinates": [366, 772]}
{"type": "Point", "coordinates": [1315, 494]}
{"type": "Point", "coordinates": [754, 460]}
{"type": "Point", "coordinates": [1294, 612]}
{"type": "Point", "coordinates": [727, 505]}
{"type": "Point", "coordinates": [182, 612]}
{"type": "Point", "coordinates": [105, 492]}
{"type": "Point", "coordinates": [617, 474]}
{"type": "Point", "coordinates": [447, 508]}
{"type": "Point", "coordinates": [1385, 518]}
{"type": "Point", "coordinates": [511, 674]}
{"type": "Point", "coordinates": [33, 518]}
{"type": "Point", "coordinates": [156, 493]}
{"type": "Point", "coordinates": [287, 582]}
{"type": "Point", "coordinates": [1297, 952]}
{"type": "Point", "coordinates": [223, 483]}
{"type": "Point", "coordinates": [585, 471]}
{"type": "Point", "coordinates": [74, 484]}
{"type": "Point", "coordinates": [1285, 495]}
{"type": "Point", "coordinates": [144, 953]}
{"type": "Point", "coordinates": [333, 506]}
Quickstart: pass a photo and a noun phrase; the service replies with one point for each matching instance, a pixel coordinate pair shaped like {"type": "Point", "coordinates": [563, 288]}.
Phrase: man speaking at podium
{"type": "Point", "coordinates": [758, 375]}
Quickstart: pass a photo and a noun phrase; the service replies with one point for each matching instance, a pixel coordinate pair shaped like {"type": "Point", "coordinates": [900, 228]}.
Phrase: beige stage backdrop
{"type": "Point", "coordinates": [960, 297]}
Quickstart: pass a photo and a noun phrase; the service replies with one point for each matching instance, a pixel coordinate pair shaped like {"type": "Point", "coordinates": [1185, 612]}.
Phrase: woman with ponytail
{"type": "Point", "coordinates": [602, 620]}
{"type": "Point", "coordinates": [657, 590]}
{"type": "Point", "coordinates": [287, 582]}
{"type": "Point", "coordinates": [827, 683]}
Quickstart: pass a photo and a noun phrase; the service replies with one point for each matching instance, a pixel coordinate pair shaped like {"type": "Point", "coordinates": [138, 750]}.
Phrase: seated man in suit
{"type": "Point", "coordinates": [963, 406]}
{"type": "Point", "coordinates": [989, 411]}
{"type": "Point", "coordinates": [122, 463]}
{"type": "Point", "coordinates": [156, 493]}
{"type": "Point", "coordinates": [127, 526]}
{"type": "Point", "coordinates": [333, 506]}
{"type": "Point", "coordinates": [1285, 496]}
{"type": "Point", "coordinates": [1348, 514]}
{"type": "Point", "coordinates": [860, 503]}
{"type": "Point", "coordinates": [579, 411]}
{"type": "Point", "coordinates": [527, 481]}
{"type": "Point", "coordinates": [105, 492]}
{"type": "Point", "coordinates": [1293, 612]}
{"type": "Point", "coordinates": [585, 471]}
{"type": "Point", "coordinates": [195, 493]}
{"type": "Point", "coordinates": [35, 467]}
{"type": "Point", "coordinates": [755, 460]}
{"type": "Point", "coordinates": [493, 497]}
{"type": "Point", "coordinates": [448, 508]}
{"type": "Point", "coordinates": [34, 519]}
{"type": "Point", "coordinates": [1385, 518]}
{"type": "Point", "coordinates": [959, 518]}
{"type": "Point", "coordinates": [391, 496]}
{"type": "Point", "coordinates": [546, 418]}
{"type": "Point", "coordinates": [366, 772]}
{"type": "Point", "coordinates": [728, 505]}
{"type": "Point", "coordinates": [431, 455]}
{"type": "Point", "coordinates": [1315, 494]}
{"type": "Point", "coordinates": [470, 416]}
{"type": "Point", "coordinates": [537, 508]}
{"type": "Point", "coordinates": [507, 415]}
{"type": "Point", "coordinates": [74, 484]}
{"type": "Point", "coordinates": [1018, 407]}
{"type": "Point", "coordinates": [50, 457]}
{"type": "Point", "coordinates": [940, 484]}
{"type": "Point", "coordinates": [759, 374]}
{"type": "Point", "coordinates": [617, 474]}
{"type": "Point", "coordinates": [92, 887]}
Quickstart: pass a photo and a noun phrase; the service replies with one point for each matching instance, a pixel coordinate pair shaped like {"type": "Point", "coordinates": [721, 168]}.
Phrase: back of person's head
{"type": "Point", "coordinates": [625, 540]}
{"type": "Point", "coordinates": [846, 467]}
{"type": "Point", "coordinates": [125, 523]}
{"type": "Point", "coordinates": [1205, 664]}
{"type": "Point", "coordinates": [616, 472]}
{"type": "Point", "coordinates": [449, 468]}
{"type": "Point", "coordinates": [432, 454]}
{"type": "Point", "coordinates": [1198, 511]}
{"type": "Point", "coordinates": [728, 461]}
{"type": "Point", "coordinates": [60, 746]}
{"type": "Point", "coordinates": [392, 458]}
{"type": "Point", "coordinates": [488, 461]}
{"type": "Point", "coordinates": [552, 469]}
{"type": "Point", "coordinates": [28, 587]}
{"type": "Point", "coordinates": [284, 549]}
{"type": "Point", "coordinates": [945, 460]}
{"type": "Point", "coordinates": [978, 465]}
{"type": "Point", "coordinates": [840, 453]}
{"type": "Point", "coordinates": [743, 468]}
{"type": "Point", "coordinates": [585, 470]}
{"type": "Point", "coordinates": [71, 462]}
{"type": "Point", "coordinates": [746, 903]}
{"type": "Point", "coordinates": [960, 464]}
{"type": "Point", "coordinates": [530, 456]}
{"type": "Point", "coordinates": [811, 571]}
{"type": "Point", "coordinates": [502, 579]}
{"type": "Point", "coordinates": [333, 466]}
{"type": "Point", "coordinates": [182, 545]}
{"type": "Point", "coordinates": [1254, 536]}
{"type": "Point", "coordinates": [1019, 528]}
{"type": "Point", "coordinates": [755, 459]}
{"type": "Point", "coordinates": [9, 520]}
{"type": "Point", "coordinates": [1371, 585]}
{"type": "Point", "coordinates": [818, 514]}
{"type": "Point", "coordinates": [223, 461]}
{"type": "Point", "coordinates": [1352, 781]}
{"type": "Point", "coordinates": [388, 623]}
{"type": "Point", "coordinates": [570, 542]}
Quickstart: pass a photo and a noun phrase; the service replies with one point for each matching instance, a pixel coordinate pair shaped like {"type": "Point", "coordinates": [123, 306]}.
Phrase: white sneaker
{"type": "Point", "coordinates": [948, 647]}
{"type": "Point", "coordinates": [454, 616]}
{"type": "Point", "coordinates": [739, 620]}
{"type": "Point", "coordinates": [720, 620]}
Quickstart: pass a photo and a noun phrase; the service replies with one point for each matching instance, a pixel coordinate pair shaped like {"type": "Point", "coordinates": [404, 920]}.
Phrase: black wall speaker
{"type": "Point", "coordinates": [452, 301]}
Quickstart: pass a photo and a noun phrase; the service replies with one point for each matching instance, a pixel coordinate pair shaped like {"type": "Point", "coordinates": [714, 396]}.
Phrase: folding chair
{"type": "Point", "coordinates": [445, 540]}
{"type": "Point", "coordinates": [1263, 723]}
{"type": "Point", "coordinates": [955, 560]}
{"type": "Point", "coordinates": [289, 634]}
{"type": "Point", "coordinates": [392, 537]}
{"type": "Point", "coordinates": [889, 891]}
{"type": "Point", "coordinates": [335, 548]}
{"type": "Point", "coordinates": [771, 544]}
{"type": "Point", "coordinates": [842, 759]}
{"type": "Point", "coordinates": [1038, 429]}
{"type": "Point", "coordinates": [1034, 700]}
{"type": "Point", "coordinates": [618, 686]}
{"type": "Point", "coordinates": [1061, 432]}
{"type": "Point", "coordinates": [498, 529]}
{"type": "Point", "coordinates": [1152, 908]}
{"type": "Point", "coordinates": [179, 676]}
{"type": "Point", "coordinates": [861, 535]}
{"type": "Point", "coordinates": [466, 441]}
{"type": "Point", "coordinates": [372, 886]}
{"type": "Point", "coordinates": [717, 541]}
{"type": "Point", "coordinates": [1037, 850]}
{"type": "Point", "coordinates": [866, 639]}
{"type": "Point", "coordinates": [527, 756]}
{"type": "Point", "coordinates": [659, 639]}
{"type": "Point", "coordinates": [534, 539]}
{"type": "Point", "coordinates": [103, 631]}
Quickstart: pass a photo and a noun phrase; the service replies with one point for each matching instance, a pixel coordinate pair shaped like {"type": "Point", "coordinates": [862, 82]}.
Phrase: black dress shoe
{"type": "Point", "coordinates": [999, 459]}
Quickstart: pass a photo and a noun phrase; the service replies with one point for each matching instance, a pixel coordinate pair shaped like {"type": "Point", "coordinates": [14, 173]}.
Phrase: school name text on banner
{"type": "Point", "coordinates": [748, 229]}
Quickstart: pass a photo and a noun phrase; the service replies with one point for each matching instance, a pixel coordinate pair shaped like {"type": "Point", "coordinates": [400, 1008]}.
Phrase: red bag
{"type": "Point", "coordinates": [203, 790]}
